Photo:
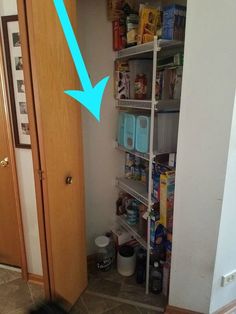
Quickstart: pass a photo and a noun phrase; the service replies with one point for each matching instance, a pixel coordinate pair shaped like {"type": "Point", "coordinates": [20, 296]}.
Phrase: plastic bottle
{"type": "Point", "coordinates": [141, 266]}
{"type": "Point", "coordinates": [156, 279]}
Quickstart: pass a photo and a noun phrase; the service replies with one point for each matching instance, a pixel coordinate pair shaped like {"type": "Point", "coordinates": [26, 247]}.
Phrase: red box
{"type": "Point", "coordinates": [119, 34]}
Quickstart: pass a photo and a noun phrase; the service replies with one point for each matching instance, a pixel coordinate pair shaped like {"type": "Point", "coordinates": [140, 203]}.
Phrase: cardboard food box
{"type": "Point", "coordinates": [115, 9]}
{"type": "Point", "coordinates": [122, 80]}
{"type": "Point", "coordinates": [172, 83]}
{"type": "Point", "coordinates": [149, 21]}
{"type": "Point", "coordinates": [119, 34]}
{"type": "Point", "coordinates": [167, 190]}
{"type": "Point", "coordinates": [174, 17]}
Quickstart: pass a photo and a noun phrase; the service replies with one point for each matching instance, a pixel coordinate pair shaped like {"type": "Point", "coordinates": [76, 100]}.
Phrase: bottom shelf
{"type": "Point", "coordinates": [133, 230]}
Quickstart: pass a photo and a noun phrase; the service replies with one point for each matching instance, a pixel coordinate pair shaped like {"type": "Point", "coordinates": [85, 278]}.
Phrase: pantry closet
{"type": "Point", "coordinates": [132, 146]}
{"type": "Point", "coordinates": [112, 157]}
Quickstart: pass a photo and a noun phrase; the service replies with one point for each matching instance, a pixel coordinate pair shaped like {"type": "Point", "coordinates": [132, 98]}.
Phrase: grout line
{"type": "Point", "coordinates": [31, 293]}
{"type": "Point", "coordinates": [103, 312]}
{"type": "Point", "coordinates": [121, 300]}
{"type": "Point", "coordinates": [84, 304]}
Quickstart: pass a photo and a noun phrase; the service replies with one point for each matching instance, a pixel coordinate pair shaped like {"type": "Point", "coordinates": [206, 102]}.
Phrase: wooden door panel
{"type": "Point", "coordinates": [60, 144]}
{"type": "Point", "coordinates": [10, 252]}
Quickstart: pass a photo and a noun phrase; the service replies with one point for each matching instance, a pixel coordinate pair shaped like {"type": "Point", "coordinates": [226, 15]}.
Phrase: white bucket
{"type": "Point", "coordinates": [126, 261]}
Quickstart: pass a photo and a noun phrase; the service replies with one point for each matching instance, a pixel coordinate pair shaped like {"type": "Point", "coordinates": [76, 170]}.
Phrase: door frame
{"type": "Point", "coordinates": [6, 103]}
{"type": "Point", "coordinates": [41, 192]}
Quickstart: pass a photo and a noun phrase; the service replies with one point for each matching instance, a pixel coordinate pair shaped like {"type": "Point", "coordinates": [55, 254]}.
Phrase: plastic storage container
{"type": "Point", "coordinates": [166, 132]}
{"type": "Point", "coordinates": [121, 125]}
{"type": "Point", "coordinates": [126, 260]}
{"type": "Point", "coordinates": [142, 134]}
{"type": "Point", "coordinates": [129, 131]}
{"type": "Point", "coordinates": [104, 253]}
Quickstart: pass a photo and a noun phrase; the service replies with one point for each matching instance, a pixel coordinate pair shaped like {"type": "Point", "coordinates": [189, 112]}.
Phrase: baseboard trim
{"type": "Point", "coordinates": [227, 309]}
{"type": "Point", "coordinates": [176, 310]}
{"type": "Point", "coordinates": [37, 279]}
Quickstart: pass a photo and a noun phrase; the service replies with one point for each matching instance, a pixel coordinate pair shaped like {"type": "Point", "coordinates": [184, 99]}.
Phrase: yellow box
{"type": "Point", "coordinates": [149, 21]}
{"type": "Point", "coordinates": [167, 191]}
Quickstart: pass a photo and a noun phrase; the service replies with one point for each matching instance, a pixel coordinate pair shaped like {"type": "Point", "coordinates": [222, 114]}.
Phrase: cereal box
{"type": "Point", "coordinates": [167, 189]}
{"type": "Point", "coordinates": [149, 21]}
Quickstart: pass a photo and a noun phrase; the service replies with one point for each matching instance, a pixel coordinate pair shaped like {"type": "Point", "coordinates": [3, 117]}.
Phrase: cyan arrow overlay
{"type": "Point", "coordinates": [90, 97]}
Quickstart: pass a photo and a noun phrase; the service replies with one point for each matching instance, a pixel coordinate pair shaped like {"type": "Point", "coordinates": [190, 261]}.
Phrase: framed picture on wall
{"type": "Point", "coordinates": [12, 45]}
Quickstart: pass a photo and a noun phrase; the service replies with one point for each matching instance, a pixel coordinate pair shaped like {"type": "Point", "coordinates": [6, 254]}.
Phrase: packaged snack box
{"type": "Point", "coordinates": [174, 17]}
{"type": "Point", "coordinates": [115, 9]}
{"type": "Point", "coordinates": [122, 80]}
{"type": "Point", "coordinates": [167, 189]}
{"type": "Point", "coordinates": [119, 34]}
{"type": "Point", "coordinates": [150, 19]}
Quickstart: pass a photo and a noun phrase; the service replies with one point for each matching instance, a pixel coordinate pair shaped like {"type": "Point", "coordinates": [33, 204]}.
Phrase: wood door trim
{"type": "Point", "coordinates": [36, 279]}
{"type": "Point", "coordinates": [227, 309]}
{"type": "Point", "coordinates": [6, 102]}
{"type": "Point", "coordinates": [34, 129]}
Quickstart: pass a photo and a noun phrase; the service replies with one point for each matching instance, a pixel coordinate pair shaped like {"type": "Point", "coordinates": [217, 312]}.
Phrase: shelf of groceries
{"type": "Point", "coordinates": [122, 148]}
{"type": "Point", "coordinates": [147, 48]}
{"type": "Point", "coordinates": [149, 45]}
{"type": "Point", "coordinates": [133, 230]}
{"type": "Point", "coordinates": [163, 105]}
{"type": "Point", "coordinates": [137, 189]}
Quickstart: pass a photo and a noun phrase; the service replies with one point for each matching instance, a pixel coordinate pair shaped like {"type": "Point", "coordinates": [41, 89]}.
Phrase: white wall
{"type": "Point", "coordinates": [226, 250]}
{"type": "Point", "coordinates": [26, 185]}
{"type": "Point", "coordinates": [102, 161]}
{"type": "Point", "coordinates": [209, 82]}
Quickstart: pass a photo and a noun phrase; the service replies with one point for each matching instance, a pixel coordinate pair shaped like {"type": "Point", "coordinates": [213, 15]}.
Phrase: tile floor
{"type": "Point", "coordinates": [113, 285]}
{"type": "Point", "coordinates": [106, 293]}
{"type": "Point", "coordinates": [17, 296]}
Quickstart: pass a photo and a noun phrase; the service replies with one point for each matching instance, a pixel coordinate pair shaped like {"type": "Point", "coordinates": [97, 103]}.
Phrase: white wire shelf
{"type": "Point", "coordinates": [132, 230]}
{"type": "Point", "coordinates": [133, 152]}
{"type": "Point", "coordinates": [146, 48]}
{"type": "Point", "coordinates": [165, 105]}
{"type": "Point", "coordinates": [136, 189]}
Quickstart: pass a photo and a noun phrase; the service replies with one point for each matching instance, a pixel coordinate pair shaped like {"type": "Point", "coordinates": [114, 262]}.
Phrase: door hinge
{"type": "Point", "coordinates": [40, 173]}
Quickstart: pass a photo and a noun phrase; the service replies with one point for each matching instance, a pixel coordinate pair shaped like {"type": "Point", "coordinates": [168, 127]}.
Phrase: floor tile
{"type": "Point", "coordinates": [13, 296]}
{"type": "Point", "coordinates": [37, 292]}
{"type": "Point", "coordinates": [104, 286]}
{"type": "Point", "coordinates": [123, 309]}
{"type": "Point", "coordinates": [137, 293]}
{"type": "Point", "coordinates": [79, 308]}
{"type": "Point", "coordinates": [19, 311]}
{"type": "Point", "coordinates": [98, 305]}
{"type": "Point", "coordinates": [111, 275]}
{"type": "Point", "coordinates": [8, 275]}
{"type": "Point", "coordinates": [147, 311]}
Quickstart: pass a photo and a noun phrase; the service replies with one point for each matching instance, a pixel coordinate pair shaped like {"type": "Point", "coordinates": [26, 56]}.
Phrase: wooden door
{"type": "Point", "coordinates": [10, 246]}
{"type": "Point", "coordinates": [57, 119]}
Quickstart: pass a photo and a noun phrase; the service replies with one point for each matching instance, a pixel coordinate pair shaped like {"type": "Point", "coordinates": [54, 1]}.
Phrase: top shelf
{"type": "Point", "coordinates": [144, 50]}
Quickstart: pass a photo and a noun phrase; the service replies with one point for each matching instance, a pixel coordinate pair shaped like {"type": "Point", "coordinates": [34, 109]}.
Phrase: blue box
{"type": "Point", "coordinates": [174, 17]}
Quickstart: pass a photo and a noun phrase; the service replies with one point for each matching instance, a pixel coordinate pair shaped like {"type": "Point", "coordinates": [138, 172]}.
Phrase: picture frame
{"type": "Point", "coordinates": [15, 76]}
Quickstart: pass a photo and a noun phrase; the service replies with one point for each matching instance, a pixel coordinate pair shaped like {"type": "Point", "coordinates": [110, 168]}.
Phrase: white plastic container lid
{"type": "Point", "coordinates": [102, 241]}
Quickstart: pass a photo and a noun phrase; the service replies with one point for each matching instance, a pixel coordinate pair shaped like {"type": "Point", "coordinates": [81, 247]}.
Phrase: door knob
{"type": "Point", "coordinates": [4, 163]}
{"type": "Point", "coordinates": [69, 180]}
